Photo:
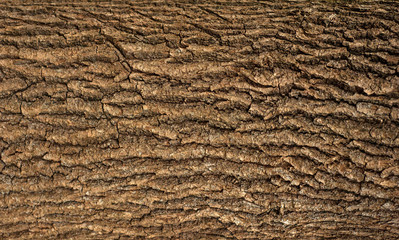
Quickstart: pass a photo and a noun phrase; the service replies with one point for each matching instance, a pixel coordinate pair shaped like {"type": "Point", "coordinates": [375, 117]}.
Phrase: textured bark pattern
{"type": "Point", "coordinates": [211, 120]}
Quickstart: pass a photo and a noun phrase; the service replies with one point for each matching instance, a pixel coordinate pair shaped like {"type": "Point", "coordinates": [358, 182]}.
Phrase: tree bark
{"type": "Point", "coordinates": [199, 120]}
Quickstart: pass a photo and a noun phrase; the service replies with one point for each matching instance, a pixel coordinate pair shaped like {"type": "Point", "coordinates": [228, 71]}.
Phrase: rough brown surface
{"type": "Point", "coordinates": [199, 120]}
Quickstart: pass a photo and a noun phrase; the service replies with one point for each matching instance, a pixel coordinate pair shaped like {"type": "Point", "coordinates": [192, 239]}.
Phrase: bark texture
{"type": "Point", "coordinates": [199, 120]}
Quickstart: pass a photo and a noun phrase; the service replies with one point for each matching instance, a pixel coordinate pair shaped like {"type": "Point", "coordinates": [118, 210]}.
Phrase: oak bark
{"type": "Point", "coordinates": [199, 120]}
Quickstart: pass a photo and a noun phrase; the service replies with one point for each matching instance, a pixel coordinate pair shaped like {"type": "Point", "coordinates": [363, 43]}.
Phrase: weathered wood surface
{"type": "Point", "coordinates": [201, 119]}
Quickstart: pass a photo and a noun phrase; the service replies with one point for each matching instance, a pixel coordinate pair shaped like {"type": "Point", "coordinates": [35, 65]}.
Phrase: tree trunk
{"type": "Point", "coordinates": [202, 120]}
